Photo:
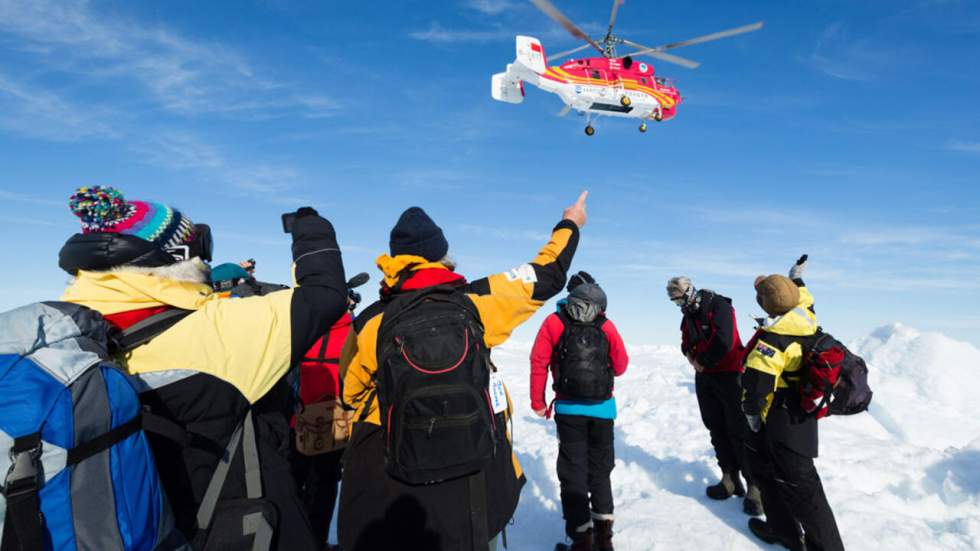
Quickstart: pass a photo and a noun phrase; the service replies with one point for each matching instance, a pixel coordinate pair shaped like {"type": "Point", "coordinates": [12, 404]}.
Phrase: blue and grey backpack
{"type": "Point", "coordinates": [78, 473]}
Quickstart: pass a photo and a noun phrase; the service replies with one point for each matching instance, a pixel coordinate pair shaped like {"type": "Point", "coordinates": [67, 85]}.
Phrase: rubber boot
{"type": "Point", "coordinates": [752, 505]}
{"type": "Point", "coordinates": [764, 533]}
{"type": "Point", "coordinates": [603, 535]}
{"type": "Point", "coordinates": [730, 485]}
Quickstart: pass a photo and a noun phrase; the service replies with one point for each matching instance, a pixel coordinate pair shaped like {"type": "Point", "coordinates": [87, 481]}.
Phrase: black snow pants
{"type": "Point", "coordinates": [792, 494]}
{"type": "Point", "coordinates": [317, 481]}
{"type": "Point", "coordinates": [586, 458]}
{"type": "Point", "coordinates": [719, 399]}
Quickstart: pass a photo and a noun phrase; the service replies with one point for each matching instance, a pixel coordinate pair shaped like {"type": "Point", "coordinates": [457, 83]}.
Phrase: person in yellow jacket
{"type": "Point", "coordinates": [136, 261]}
{"type": "Point", "coordinates": [784, 443]}
{"type": "Point", "coordinates": [379, 512]}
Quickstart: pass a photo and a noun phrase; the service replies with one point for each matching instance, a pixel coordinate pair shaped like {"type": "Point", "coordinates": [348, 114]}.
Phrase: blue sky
{"type": "Point", "coordinates": [846, 130]}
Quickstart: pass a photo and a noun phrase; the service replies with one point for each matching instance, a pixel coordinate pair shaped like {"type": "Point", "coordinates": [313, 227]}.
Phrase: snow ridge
{"type": "Point", "coordinates": [907, 476]}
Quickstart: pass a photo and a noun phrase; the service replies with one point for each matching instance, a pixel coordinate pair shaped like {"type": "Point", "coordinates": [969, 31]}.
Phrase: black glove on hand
{"type": "Point", "coordinates": [303, 212]}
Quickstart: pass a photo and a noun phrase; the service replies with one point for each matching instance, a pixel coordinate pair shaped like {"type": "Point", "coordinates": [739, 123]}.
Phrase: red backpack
{"type": "Point", "coordinates": [835, 380]}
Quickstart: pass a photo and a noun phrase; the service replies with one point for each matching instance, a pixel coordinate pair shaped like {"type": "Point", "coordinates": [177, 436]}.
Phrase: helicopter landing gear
{"type": "Point", "coordinates": [625, 101]}
{"type": "Point", "coordinates": [589, 130]}
{"type": "Point", "coordinates": [658, 115]}
{"type": "Point", "coordinates": [643, 127]}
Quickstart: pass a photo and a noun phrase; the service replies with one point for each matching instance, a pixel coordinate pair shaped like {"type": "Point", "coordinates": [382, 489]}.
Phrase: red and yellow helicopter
{"type": "Point", "coordinates": [600, 86]}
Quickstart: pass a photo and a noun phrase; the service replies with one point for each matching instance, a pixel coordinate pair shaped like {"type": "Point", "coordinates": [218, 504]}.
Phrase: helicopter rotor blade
{"type": "Point", "coordinates": [551, 11]}
{"type": "Point", "coordinates": [661, 55]}
{"type": "Point", "coordinates": [612, 16]}
{"type": "Point", "coordinates": [567, 52]}
{"type": "Point", "coordinates": [671, 58]}
{"type": "Point", "coordinates": [714, 36]}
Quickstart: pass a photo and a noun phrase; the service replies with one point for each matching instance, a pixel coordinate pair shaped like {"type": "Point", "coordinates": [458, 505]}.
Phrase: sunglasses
{"type": "Point", "coordinates": [202, 246]}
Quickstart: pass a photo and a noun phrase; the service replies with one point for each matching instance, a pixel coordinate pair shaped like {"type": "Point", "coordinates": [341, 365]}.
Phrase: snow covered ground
{"type": "Point", "coordinates": [904, 476]}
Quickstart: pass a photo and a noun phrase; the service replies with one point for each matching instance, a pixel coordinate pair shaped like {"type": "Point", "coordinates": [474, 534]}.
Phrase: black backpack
{"type": "Point", "coordinates": [432, 381]}
{"type": "Point", "coordinates": [835, 380]}
{"type": "Point", "coordinates": [582, 360]}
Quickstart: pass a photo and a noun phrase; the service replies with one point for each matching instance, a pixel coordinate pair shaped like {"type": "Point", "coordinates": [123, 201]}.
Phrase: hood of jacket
{"type": "Point", "coordinates": [801, 321]}
{"type": "Point", "coordinates": [123, 291]}
{"type": "Point", "coordinates": [393, 268]}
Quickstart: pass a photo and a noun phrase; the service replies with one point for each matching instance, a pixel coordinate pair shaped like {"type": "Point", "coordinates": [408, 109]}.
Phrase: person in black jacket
{"type": "Point", "coordinates": [710, 341]}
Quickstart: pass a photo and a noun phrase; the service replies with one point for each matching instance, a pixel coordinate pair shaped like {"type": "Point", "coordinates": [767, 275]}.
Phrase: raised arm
{"type": "Point", "coordinates": [507, 300]}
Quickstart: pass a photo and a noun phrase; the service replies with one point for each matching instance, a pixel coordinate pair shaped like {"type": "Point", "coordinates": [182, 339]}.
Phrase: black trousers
{"type": "Point", "coordinates": [719, 399]}
{"type": "Point", "coordinates": [586, 457]}
{"type": "Point", "coordinates": [792, 494]}
{"type": "Point", "coordinates": [317, 481]}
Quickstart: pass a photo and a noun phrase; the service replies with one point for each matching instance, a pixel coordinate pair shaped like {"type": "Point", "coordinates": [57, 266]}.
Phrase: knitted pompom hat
{"type": "Point", "coordinates": [104, 210]}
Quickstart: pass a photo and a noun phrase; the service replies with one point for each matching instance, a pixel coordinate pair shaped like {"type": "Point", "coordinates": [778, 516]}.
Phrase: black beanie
{"type": "Point", "coordinates": [416, 234]}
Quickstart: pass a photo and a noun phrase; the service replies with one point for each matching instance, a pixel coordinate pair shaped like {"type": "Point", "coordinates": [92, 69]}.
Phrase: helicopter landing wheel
{"type": "Point", "coordinates": [626, 101]}
{"type": "Point", "coordinates": [659, 117]}
{"type": "Point", "coordinates": [643, 127]}
{"type": "Point", "coordinates": [589, 130]}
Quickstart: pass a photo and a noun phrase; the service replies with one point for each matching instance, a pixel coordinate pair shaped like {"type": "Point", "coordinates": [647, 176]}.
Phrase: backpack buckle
{"type": "Point", "coordinates": [22, 477]}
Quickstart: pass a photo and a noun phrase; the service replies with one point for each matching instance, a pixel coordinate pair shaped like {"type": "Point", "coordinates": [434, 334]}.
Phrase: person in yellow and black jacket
{"type": "Point", "coordinates": [784, 443]}
{"type": "Point", "coordinates": [136, 260]}
{"type": "Point", "coordinates": [379, 512]}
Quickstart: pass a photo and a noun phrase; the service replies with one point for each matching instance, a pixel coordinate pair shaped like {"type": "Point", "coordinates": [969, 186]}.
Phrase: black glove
{"type": "Point", "coordinates": [303, 212]}
{"type": "Point", "coordinates": [578, 279]}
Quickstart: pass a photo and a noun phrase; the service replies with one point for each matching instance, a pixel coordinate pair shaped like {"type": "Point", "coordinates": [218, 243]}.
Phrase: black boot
{"type": "Point", "coordinates": [730, 485]}
{"type": "Point", "coordinates": [603, 535]}
{"type": "Point", "coordinates": [752, 505]}
{"type": "Point", "coordinates": [764, 533]}
{"type": "Point", "coordinates": [581, 541]}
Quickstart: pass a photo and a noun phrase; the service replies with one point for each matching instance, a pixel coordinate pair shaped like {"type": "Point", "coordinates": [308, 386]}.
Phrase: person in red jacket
{"type": "Point", "coordinates": [582, 350]}
{"type": "Point", "coordinates": [710, 341]}
{"type": "Point", "coordinates": [318, 475]}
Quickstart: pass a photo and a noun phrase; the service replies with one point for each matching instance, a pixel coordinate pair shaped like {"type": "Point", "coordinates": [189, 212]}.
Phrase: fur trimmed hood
{"type": "Point", "coordinates": [181, 285]}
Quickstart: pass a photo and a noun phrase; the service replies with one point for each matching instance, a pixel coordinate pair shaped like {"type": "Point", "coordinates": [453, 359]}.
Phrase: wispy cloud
{"type": "Point", "coordinates": [509, 234]}
{"type": "Point", "coordinates": [167, 73]}
{"type": "Point", "coordinates": [963, 147]}
{"type": "Point", "coordinates": [183, 76]}
{"type": "Point", "coordinates": [491, 7]}
{"type": "Point", "coordinates": [839, 55]}
{"type": "Point", "coordinates": [29, 220]}
{"type": "Point", "coordinates": [39, 113]}
{"type": "Point", "coordinates": [436, 33]}
{"type": "Point", "coordinates": [911, 236]}
{"type": "Point", "coordinates": [10, 196]}
{"type": "Point", "coordinates": [176, 150]}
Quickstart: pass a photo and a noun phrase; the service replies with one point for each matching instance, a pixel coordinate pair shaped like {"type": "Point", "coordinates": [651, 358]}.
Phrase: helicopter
{"type": "Point", "coordinates": [600, 86]}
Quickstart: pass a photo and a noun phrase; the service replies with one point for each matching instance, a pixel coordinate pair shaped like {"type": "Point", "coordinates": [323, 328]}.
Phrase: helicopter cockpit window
{"type": "Point", "coordinates": [661, 81]}
{"type": "Point", "coordinates": [596, 74]}
{"type": "Point", "coordinates": [643, 80]}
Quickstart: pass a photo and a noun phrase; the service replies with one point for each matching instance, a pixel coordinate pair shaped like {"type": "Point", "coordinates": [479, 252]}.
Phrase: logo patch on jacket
{"type": "Point", "coordinates": [524, 272]}
{"type": "Point", "coordinates": [765, 350]}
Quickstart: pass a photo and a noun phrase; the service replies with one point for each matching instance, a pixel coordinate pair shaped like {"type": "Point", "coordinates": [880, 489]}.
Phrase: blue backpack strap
{"type": "Point", "coordinates": [23, 526]}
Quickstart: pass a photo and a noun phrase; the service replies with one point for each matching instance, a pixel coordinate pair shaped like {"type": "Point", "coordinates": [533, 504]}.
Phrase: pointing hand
{"type": "Point", "coordinates": [576, 212]}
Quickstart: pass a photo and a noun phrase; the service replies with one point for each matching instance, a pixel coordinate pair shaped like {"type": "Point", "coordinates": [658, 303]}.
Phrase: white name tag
{"type": "Point", "coordinates": [524, 273]}
{"type": "Point", "coordinates": [498, 394]}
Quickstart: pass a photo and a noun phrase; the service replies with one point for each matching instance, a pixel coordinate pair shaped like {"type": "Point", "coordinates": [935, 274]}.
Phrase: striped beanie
{"type": "Point", "coordinates": [103, 209]}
